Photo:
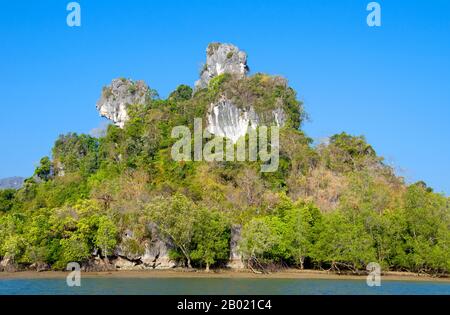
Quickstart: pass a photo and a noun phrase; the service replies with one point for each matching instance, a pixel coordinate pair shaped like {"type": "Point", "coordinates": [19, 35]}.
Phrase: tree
{"type": "Point", "coordinates": [258, 238]}
{"type": "Point", "coordinates": [300, 221]}
{"type": "Point", "coordinates": [182, 93]}
{"type": "Point", "coordinates": [343, 242]}
{"type": "Point", "coordinates": [346, 153]}
{"type": "Point", "coordinates": [175, 217]}
{"type": "Point", "coordinates": [211, 237]}
{"type": "Point", "coordinates": [106, 236]}
{"type": "Point", "coordinates": [426, 234]}
{"type": "Point", "coordinates": [44, 170]}
{"type": "Point", "coordinates": [7, 199]}
{"type": "Point", "coordinates": [76, 153]}
{"type": "Point", "coordinates": [11, 236]}
{"type": "Point", "coordinates": [73, 249]}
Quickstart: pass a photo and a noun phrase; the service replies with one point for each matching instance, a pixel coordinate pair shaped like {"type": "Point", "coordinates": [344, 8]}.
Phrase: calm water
{"type": "Point", "coordinates": [218, 286]}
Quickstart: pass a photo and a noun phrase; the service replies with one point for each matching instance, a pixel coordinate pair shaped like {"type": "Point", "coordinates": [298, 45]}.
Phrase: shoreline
{"type": "Point", "coordinates": [219, 274]}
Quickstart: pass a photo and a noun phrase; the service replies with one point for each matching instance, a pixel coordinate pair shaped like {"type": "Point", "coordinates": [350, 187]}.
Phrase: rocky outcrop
{"type": "Point", "coordinates": [97, 264]}
{"type": "Point", "coordinates": [224, 118]}
{"type": "Point", "coordinates": [157, 251]}
{"type": "Point", "coordinates": [125, 264]}
{"type": "Point", "coordinates": [154, 256]}
{"type": "Point", "coordinates": [235, 261]}
{"type": "Point", "coordinates": [116, 98]}
{"type": "Point", "coordinates": [40, 267]}
{"type": "Point", "coordinates": [8, 265]}
{"type": "Point", "coordinates": [227, 120]}
{"type": "Point", "coordinates": [222, 58]}
{"type": "Point", "coordinates": [129, 248]}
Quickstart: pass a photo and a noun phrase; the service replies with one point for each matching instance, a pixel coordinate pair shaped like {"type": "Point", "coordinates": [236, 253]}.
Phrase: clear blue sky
{"type": "Point", "coordinates": [391, 84]}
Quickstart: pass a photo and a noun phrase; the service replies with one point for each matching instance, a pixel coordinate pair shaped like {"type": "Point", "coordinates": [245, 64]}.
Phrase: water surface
{"type": "Point", "coordinates": [202, 286]}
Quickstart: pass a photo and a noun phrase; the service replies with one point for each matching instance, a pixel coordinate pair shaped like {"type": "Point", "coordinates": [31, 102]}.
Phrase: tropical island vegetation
{"type": "Point", "coordinates": [330, 206]}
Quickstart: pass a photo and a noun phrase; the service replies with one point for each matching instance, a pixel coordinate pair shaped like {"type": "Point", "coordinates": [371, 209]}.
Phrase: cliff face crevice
{"type": "Point", "coordinates": [227, 120]}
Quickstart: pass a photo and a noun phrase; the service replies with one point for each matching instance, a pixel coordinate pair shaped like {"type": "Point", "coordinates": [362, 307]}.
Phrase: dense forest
{"type": "Point", "coordinates": [330, 206]}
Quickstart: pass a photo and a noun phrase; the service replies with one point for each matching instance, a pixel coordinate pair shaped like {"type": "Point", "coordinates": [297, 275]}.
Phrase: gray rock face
{"type": "Point", "coordinates": [11, 183]}
{"type": "Point", "coordinates": [116, 98]}
{"type": "Point", "coordinates": [227, 120]}
{"type": "Point", "coordinates": [222, 58]}
{"type": "Point", "coordinates": [157, 251]}
{"type": "Point", "coordinates": [126, 249]}
{"type": "Point", "coordinates": [8, 265]}
{"type": "Point", "coordinates": [124, 264]}
{"type": "Point", "coordinates": [235, 261]}
{"type": "Point", "coordinates": [155, 256]}
{"type": "Point", "coordinates": [40, 267]}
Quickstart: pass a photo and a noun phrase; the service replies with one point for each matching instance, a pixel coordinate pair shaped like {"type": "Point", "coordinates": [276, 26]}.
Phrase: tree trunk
{"type": "Point", "coordinates": [207, 267]}
{"type": "Point", "coordinates": [106, 257]}
{"type": "Point", "coordinates": [189, 263]}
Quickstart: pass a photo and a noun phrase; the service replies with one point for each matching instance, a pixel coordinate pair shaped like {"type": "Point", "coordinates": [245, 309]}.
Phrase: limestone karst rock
{"type": "Point", "coordinates": [225, 117]}
{"type": "Point", "coordinates": [116, 98]}
{"type": "Point", "coordinates": [227, 120]}
{"type": "Point", "coordinates": [155, 255]}
{"type": "Point", "coordinates": [235, 261]}
{"type": "Point", "coordinates": [157, 251]}
{"type": "Point", "coordinates": [222, 58]}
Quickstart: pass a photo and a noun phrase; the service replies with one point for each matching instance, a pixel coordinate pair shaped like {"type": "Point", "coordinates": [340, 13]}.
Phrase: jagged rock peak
{"type": "Point", "coordinates": [222, 58]}
{"type": "Point", "coordinates": [118, 96]}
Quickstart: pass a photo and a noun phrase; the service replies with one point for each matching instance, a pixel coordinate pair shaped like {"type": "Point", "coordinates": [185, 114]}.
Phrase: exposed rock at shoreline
{"type": "Point", "coordinates": [157, 251]}
{"type": "Point", "coordinates": [235, 261]}
{"type": "Point", "coordinates": [154, 256]}
{"type": "Point", "coordinates": [8, 265]}
{"type": "Point", "coordinates": [40, 267]}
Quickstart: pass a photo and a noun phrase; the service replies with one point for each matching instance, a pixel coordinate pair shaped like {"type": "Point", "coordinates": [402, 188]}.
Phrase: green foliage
{"type": "Point", "coordinates": [426, 235]}
{"type": "Point", "coordinates": [182, 93]}
{"type": "Point", "coordinates": [106, 236]}
{"type": "Point", "coordinates": [44, 170]}
{"type": "Point", "coordinates": [286, 236]}
{"type": "Point", "coordinates": [335, 205]}
{"type": "Point", "coordinates": [343, 242]}
{"type": "Point", "coordinates": [73, 249]}
{"type": "Point", "coordinates": [212, 47]}
{"type": "Point", "coordinates": [211, 238]}
{"type": "Point", "coordinates": [300, 221]}
{"type": "Point", "coordinates": [175, 218]}
{"type": "Point", "coordinates": [347, 153]}
{"type": "Point", "coordinates": [7, 199]}
{"type": "Point", "coordinates": [76, 153]}
{"type": "Point", "coordinates": [258, 238]}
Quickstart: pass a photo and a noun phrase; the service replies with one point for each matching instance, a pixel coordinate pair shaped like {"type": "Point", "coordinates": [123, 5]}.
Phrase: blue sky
{"type": "Point", "coordinates": [391, 84]}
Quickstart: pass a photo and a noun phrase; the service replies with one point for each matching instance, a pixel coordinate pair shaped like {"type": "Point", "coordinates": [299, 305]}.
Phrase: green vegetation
{"type": "Point", "coordinates": [212, 48]}
{"type": "Point", "coordinates": [333, 206]}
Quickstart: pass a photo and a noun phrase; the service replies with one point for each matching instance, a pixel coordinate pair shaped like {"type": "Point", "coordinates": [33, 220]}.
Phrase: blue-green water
{"type": "Point", "coordinates": [185, 286]}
